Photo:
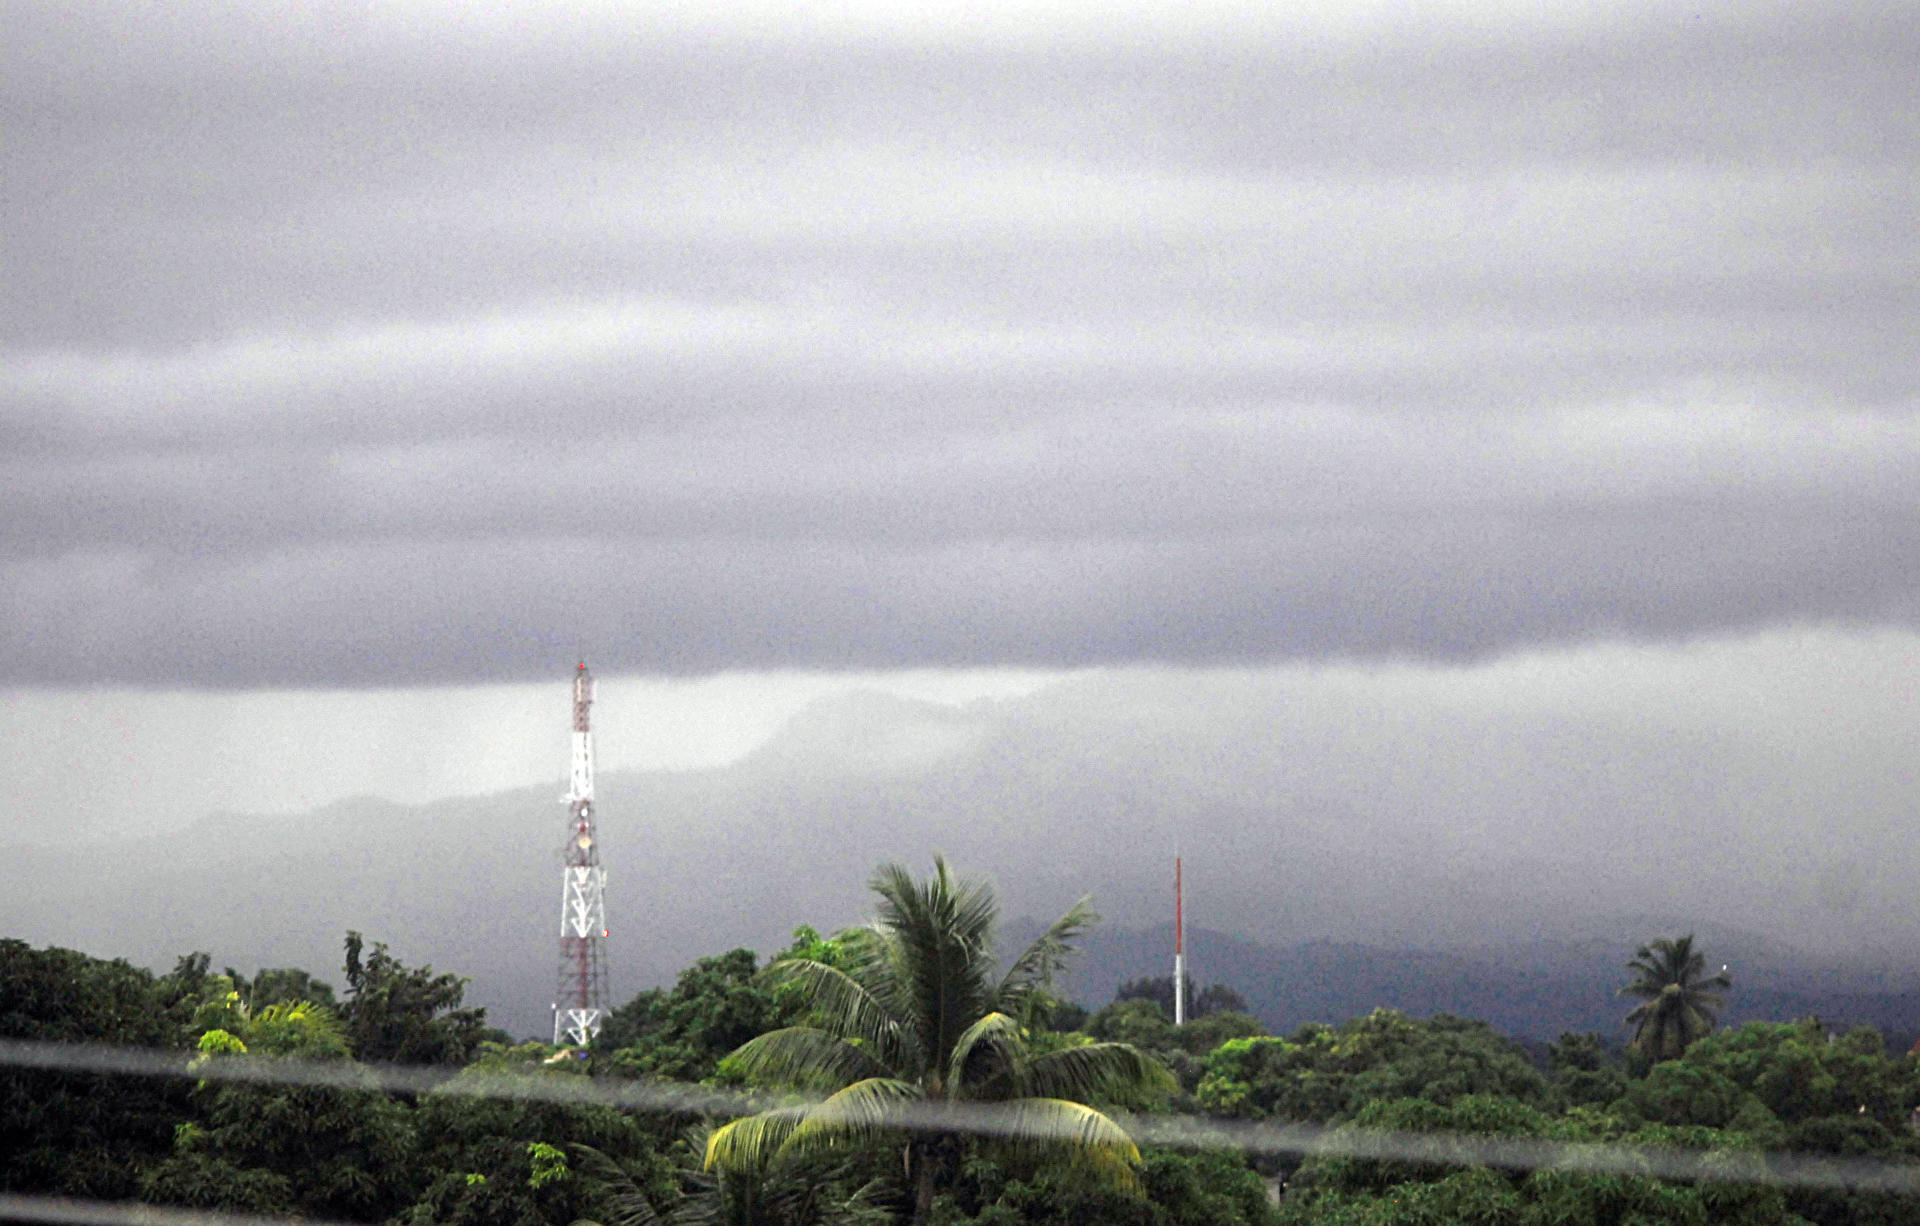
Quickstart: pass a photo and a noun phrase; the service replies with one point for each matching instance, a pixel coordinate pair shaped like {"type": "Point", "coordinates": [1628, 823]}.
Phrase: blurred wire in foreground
{"type": "Point", "coordinates": [1775, 1168]}
{"type": "Point", "coordinates": [17, 1208]}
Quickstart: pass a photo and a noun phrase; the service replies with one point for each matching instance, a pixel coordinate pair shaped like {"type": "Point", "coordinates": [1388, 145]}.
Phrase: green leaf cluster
{"type": "Point", "coordinates": [79, 1134]}
{"type": "Point", "coordinates": [1322, 1073]}
{"type": "Point", "coordinates": [685, 1032]}
{"type": "Point", "coordinates": [1177, 1188]}
{"type": "Point", "coordinates": [1141, 1022]}
{"type": "Point", "coordinates": [407, 1015]}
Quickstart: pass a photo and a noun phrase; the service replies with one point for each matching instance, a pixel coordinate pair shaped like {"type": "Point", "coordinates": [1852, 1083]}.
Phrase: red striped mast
{"type": "Point", "coordinates": [1179, 948]}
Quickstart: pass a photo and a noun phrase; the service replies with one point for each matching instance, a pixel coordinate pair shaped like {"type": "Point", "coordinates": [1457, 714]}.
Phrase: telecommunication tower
{"type": "Point", "coordinates": [1179, 949]}
{"type": "Point", "coordinates": [580, 1000]}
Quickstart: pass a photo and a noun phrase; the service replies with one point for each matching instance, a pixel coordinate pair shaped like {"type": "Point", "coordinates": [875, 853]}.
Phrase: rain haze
{"type": "Point", "coordinates": [1445, 466]}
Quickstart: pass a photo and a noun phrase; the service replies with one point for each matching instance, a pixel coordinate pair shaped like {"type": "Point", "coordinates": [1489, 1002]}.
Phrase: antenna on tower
{"type": "Point", "coordinates": [580, 1000]}
{"type": "Point", "coordinates": [1179, 947]}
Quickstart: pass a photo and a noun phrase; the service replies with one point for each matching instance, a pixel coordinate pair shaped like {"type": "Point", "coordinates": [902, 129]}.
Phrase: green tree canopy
{"type": "Point", "coordinates": [320, 1150]}
{"type": "Point", "coordinates": [76, 1133]}
{"type": "Point", "coordinates": [1178, 1188]}
{"type": "Point", "coordinates": [1349, 1189]}
{"type": "Point", "coordinates": [476, 1135]}
{"type": "Point", "coordinates": [1326, 1073]}
{"type": "Point", "coordinates": [280, 985]}
{"type": "Point", "coordinates": [1214, 998]}
{"type": "Point", "coordinates": [1583, 1072]}
{"type": "Point", "coordinates": [407, 1015]}
{"type": "Point", "coordinates": [682, 1034]}
{"type": "Point", "coordinates": [1139, 1021]}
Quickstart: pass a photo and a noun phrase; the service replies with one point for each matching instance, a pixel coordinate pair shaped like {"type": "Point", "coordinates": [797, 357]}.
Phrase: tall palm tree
{"type": "Point", "coordinates": [921, 1020]}
{"type": "Point", "coordinates": [1678, 1001]}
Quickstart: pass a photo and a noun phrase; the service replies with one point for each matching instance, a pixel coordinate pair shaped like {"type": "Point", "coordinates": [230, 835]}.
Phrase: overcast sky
{"type": "Point", "coordinates": [426, 347]}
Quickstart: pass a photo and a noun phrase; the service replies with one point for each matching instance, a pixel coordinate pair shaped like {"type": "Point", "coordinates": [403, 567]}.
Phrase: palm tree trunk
{"type": "Point", "coordinates": [923, 1194]}
{"type": "Point", "coordinates": [930, 1156]}
{"type": "Point", "coordinates": [920, 1156]}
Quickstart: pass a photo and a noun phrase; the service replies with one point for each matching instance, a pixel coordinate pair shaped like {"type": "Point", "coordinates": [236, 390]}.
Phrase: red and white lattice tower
{"type": "Point", "coordinates": [580, 1000]}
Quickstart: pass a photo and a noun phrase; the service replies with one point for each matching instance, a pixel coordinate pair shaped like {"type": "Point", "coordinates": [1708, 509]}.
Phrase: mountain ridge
{"type": "Point", "coordinates": [1530, 991]}
{"type": "Point", "coordinates": [1292, 833]}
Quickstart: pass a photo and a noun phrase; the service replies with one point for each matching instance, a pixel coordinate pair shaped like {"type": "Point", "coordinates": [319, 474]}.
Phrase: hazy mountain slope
{"type": "Point", "coordinates": [1350, 823]}
{"type": "Point", "coordinates": [1534, 989]}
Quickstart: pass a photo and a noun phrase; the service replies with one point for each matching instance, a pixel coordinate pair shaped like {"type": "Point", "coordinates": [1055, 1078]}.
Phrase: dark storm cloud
{"type": "Point", "coordinates": [386, 342]}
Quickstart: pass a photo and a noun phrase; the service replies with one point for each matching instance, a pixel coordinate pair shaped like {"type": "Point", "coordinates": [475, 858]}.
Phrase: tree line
{"type": "Point", "coordinates": [883, 1038]}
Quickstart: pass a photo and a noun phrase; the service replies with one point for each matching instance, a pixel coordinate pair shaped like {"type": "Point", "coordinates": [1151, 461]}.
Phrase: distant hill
{"type": "Point", "coordinates": [1352, 874]}
{"type": "Point", "coordinates": [1529, 990]}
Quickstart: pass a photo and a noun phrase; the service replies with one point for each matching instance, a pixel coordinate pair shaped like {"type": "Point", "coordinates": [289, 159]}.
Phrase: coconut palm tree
{"type": "Point", "coordinates": [1678, 1001]}
{"type": "Point", "coordinates": [920, 1022]}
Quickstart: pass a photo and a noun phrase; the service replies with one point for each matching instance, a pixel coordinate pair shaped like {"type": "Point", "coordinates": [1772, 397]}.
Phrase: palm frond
{"type": "Point", "coordinates": [861, 1208]}
{"type": "Point", "coordinates": [1679, 1002]}
{"type": "Point", "coordinates": [902, 906]}
{"type": "Point", "coordinates": [843, 1005]}
{"type": "Point", "coordinates": [751, 1143]}
{"type": "Point", "coordinates": [1056, 1130]}
{"type": "Point", "coordinates": [1095, 1070]}
{"type": "Point", "coordinates": [991, 1044]}
{"type": "Point", "coordinates": [880, 964]}
{"type": "Point", "coordinates": [871, 956]}
{"type": "Point", "coordinates": [776, 1192]}
{"type": "Point", "coordinates": [1041, 963]}
{"type": "Point", "coordinates": [805, 1057]}
{"type": "Point", "coordinates": [1663, 961]}
{"type": "Point", "coordinates": [943, 929]}
{"type": "Point", "coordinates": [851, 1116]}
{"type": "Point", "coordinates": [617, 1189]}
{"type": "Point", "coordinates": [865, 952]}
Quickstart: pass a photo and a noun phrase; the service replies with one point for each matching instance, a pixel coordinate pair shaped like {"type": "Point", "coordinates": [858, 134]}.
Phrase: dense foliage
{"type": "Point", "coordinates": [1732, 1100]}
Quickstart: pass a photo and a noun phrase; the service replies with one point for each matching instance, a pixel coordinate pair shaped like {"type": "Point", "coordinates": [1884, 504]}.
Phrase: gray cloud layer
{"type": "Point", "coordinates": [385, 343]}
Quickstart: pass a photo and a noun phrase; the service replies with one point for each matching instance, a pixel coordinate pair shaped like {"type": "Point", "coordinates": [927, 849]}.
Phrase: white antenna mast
{"type": "Point", "coordinates": [1179, 947]}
